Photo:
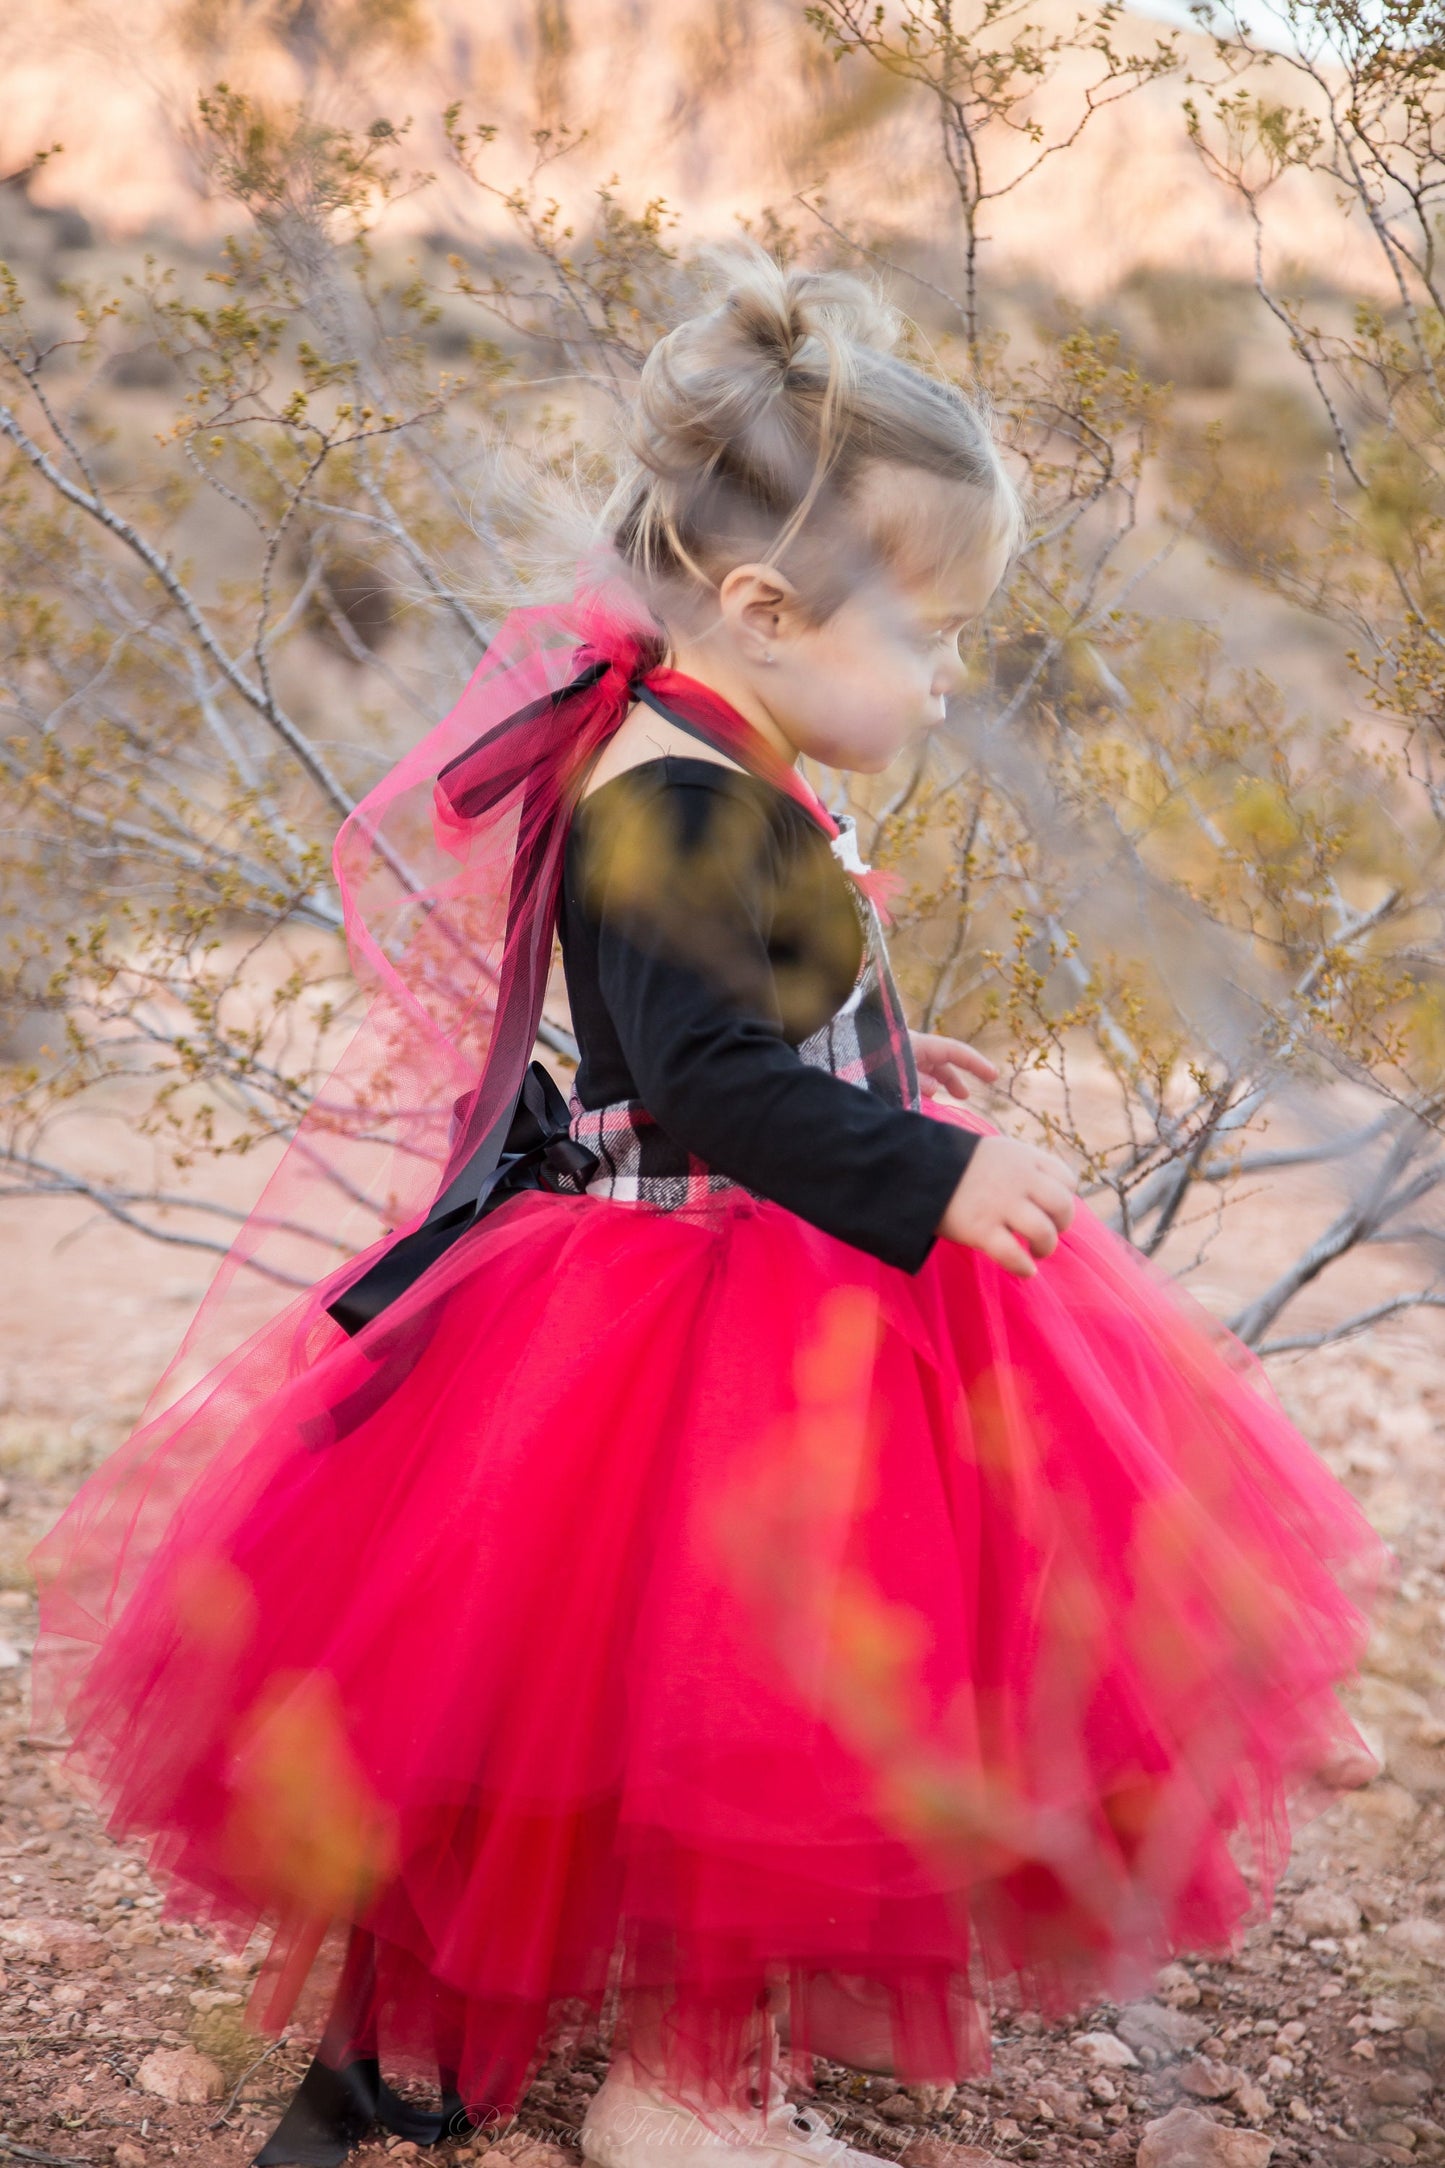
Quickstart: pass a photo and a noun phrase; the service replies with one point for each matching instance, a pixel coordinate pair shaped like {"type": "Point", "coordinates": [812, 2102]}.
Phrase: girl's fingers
{"type": "Point", "coordinates": [928, 1083]}
{"type": "Point", "coordinates": [969, 1058]}
{"type": "Point", "coordinates": [941, 1053]}
{"type": "Point", "coordinates": [1005, 1248]}
{"type": "Point", "coordinates": [1057, 1172]}
{"type": "Point", "coordinates": [1051, 1196]}
{"type": "Point", "coordinates": [1032, 1224]}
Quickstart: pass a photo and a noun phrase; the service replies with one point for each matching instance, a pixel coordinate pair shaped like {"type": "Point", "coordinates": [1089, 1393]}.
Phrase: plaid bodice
{"type": "Point", "coordinates": [865, 1042]}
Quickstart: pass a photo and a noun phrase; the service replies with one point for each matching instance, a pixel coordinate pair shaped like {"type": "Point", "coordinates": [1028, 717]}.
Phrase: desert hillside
{"type": "Point", "coordinates": [722, 107]}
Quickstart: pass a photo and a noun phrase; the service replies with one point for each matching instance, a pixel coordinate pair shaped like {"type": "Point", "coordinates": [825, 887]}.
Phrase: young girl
{"type": "Point", "coordinates": [745, 1557]}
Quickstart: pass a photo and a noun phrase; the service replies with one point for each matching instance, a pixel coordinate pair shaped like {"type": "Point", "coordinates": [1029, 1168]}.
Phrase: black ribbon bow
{"type": "Point", "coordinates": [536, 1152]}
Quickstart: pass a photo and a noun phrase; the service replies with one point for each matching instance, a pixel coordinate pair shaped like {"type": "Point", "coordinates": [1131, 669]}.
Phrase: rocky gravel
{"type": "Point", "coordinates": [1319, 2041]}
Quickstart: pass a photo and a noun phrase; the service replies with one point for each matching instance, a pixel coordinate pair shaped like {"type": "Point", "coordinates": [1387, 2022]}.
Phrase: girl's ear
{"type": "Point", "coordinates": [759, 607]}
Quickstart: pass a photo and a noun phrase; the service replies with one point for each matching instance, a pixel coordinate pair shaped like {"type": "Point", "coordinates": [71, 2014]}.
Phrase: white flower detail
{"type": "Point", "coordinates": [844, 846]}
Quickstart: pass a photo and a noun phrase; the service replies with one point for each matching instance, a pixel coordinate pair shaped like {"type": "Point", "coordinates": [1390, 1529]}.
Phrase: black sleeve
{"type": "Point", "coordinates": [697, 1018]}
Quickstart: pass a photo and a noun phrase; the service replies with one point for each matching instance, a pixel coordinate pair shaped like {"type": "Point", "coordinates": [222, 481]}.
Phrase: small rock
{"type": "Point", "coordinates": [1385, 1811]}
{"type": "Point", "coordinates": [1324, 1912]}
{"type": "Point", "coordinates": [182, 2076]}
{"type": "Point", "coordinates": [10, 1657]}
{"type": "Point", "coordinates": [1401, 2088]}
{"type": "Point", "coordinates": [1277, 2068]}
{"type": "Point", "coordinates": [1107, 2050]}
{"type": "Point", "coordinates": [1176, 1986]}
{"type": "Point", "coordinates": [1146, 2025]}
{"type": "Point", "coordinates": [127, 2155]}
{"type": "Point", "coordinates": [1420, 1937]}
{"type": "Point", "coordinates": [1207, 2079]}
{"type": "Point", "coordinates": [1006, 2130]}
{"type": "Point", "coordinates": [1292, 2033]}
{"type": "Point", "coordinates": [79, 1951]}
{"type": "Point", "coordinates": [1396, 2134]}
{"type": "Point", "coordinates": [56, 1942]}
{"type": "Point", "coordinates": [28, 1938]}
{"type": "Point", "coordinates": [1300, 2112]}
{"type": "Point", "coordinates": [1251, 2100]}
{"type": "Point", "coordinates": [928, 2151]}
{"type": "Point", "coordinates": [897, 2108]}
{"type": "Point", "coordinates": [213, 1998]}
{"type": "Point", "coordinates": [1186, 2138]}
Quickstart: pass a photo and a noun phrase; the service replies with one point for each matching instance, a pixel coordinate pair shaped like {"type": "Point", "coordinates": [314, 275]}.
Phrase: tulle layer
{"type": "Point", "coordinates": [687, 1601]}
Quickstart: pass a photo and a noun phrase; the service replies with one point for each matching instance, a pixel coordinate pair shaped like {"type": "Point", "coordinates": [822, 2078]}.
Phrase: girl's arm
{"type": "Point", "coordinates": [688, 981]}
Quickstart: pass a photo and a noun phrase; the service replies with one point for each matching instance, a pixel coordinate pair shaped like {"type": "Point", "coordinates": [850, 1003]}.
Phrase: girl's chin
{"type": "Point", "coordinates": [867, 758]}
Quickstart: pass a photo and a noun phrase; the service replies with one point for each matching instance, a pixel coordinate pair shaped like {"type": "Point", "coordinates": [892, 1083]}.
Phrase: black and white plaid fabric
{"type": "Point", "coordinates": [865, 1042]}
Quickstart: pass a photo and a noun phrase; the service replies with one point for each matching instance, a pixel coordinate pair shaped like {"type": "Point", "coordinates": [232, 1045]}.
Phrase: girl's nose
{"type": "Point", "coordinates": [949, 674]}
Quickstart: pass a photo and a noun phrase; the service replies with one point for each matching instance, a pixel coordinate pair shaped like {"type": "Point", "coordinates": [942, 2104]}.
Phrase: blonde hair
{"type": "Point", "coordinates": [759, 428]}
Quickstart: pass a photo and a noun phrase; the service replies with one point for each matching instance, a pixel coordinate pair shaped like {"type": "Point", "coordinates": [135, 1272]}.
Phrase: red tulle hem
{"type": "Point", "coordinates": [686, 1601]}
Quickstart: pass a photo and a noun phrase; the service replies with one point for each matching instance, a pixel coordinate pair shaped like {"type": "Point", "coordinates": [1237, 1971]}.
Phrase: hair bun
{"type": "Point", "coordinates": [777, 312]}
{"type": "Point", "coordinates": [760, 418]}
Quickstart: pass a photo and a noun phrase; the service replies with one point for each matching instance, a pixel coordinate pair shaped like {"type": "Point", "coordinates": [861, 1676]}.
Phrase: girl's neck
{"type": "Point", "coordinates": [696, 659]}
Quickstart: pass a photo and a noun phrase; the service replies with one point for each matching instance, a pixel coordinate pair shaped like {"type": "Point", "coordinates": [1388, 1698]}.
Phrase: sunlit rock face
{"type": "Point", "coordinates": [723, 107]}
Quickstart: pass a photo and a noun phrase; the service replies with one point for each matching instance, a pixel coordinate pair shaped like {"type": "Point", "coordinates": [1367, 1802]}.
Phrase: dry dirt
{"type": "Point", "coordinates": [1325, 2032]}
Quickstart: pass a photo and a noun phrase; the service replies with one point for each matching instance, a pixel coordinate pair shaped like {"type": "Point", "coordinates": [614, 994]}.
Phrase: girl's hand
{"type": "Point", "coordinates": [1013, 1201]}
{"type": "Point", "coordinates": [944, 1063]}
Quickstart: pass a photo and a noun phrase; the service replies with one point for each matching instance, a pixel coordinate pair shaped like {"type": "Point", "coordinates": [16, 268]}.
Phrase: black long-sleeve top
{"type": "Point", "coordinates": [707, 932]}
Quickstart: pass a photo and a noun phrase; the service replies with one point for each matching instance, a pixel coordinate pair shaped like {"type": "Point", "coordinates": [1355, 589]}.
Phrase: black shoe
{"type": "Point", "coordinates": [422, 2126]}
{"type": "Point", "coordinates": [456, 2123]}
{"type": "Point", "coordinates": [329, 2114]}
{"type": "Point", "coordinates": [331, 2111]}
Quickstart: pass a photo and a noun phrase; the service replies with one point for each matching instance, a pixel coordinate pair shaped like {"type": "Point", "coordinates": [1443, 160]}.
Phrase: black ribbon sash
{"type": "Point", "coordinates": [537, 1152]}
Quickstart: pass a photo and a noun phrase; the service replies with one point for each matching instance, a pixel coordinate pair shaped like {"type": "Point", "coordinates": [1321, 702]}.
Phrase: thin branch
{"type": "Point", "coordinates": [161, 568]}
{"type": "Point", "coordinates": [113, 1205]}
{"type": "Point", "coordinates": [1330, 1335]}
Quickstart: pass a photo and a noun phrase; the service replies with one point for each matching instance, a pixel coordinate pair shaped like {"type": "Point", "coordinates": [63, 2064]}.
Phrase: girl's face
{"type": "Point", "coordinates": [852, 691]}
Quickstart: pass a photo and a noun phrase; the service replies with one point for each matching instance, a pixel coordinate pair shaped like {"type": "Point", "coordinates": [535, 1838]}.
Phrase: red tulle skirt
{"type": "Point", "coordinates": [687, 1601]}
